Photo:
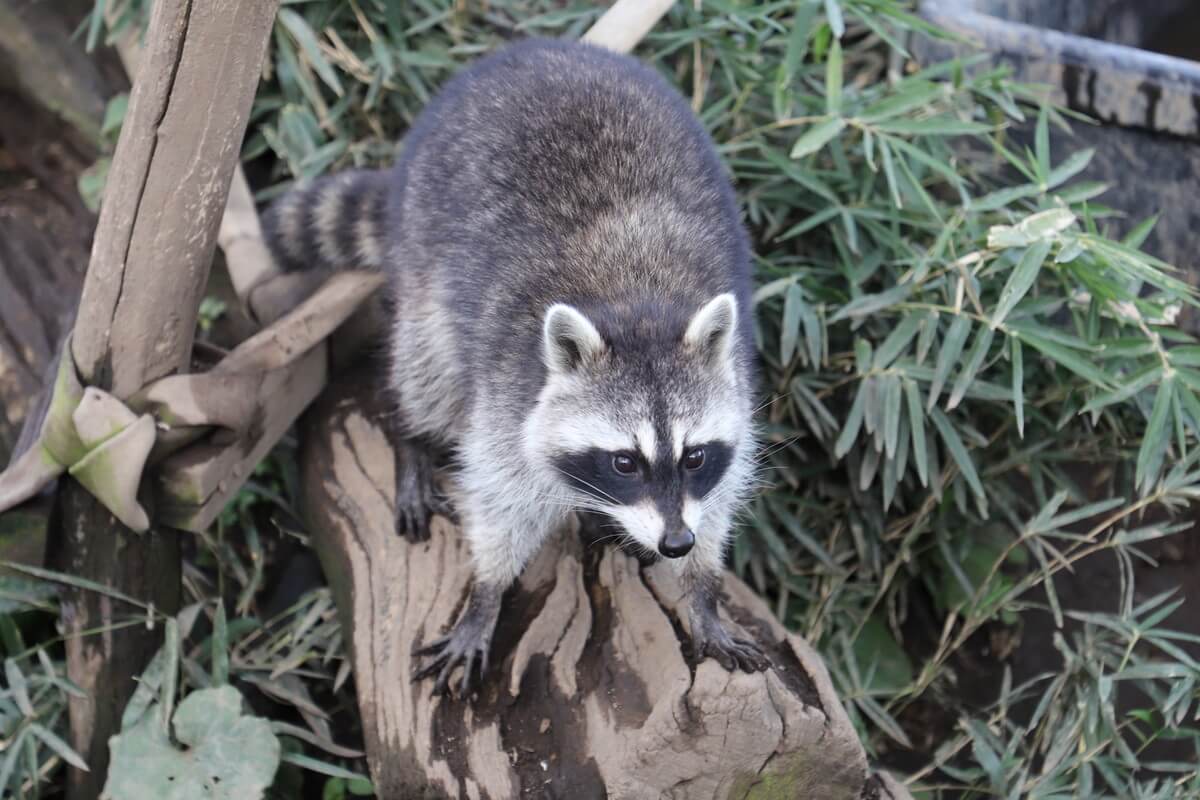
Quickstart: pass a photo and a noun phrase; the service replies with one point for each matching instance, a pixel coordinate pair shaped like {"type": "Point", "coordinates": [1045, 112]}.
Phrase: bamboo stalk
{"type": "Point", "coordinates": [166, 189]}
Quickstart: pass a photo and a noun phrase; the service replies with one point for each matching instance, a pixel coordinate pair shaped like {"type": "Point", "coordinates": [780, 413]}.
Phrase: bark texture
{"type": "Point", "coordinates": [590, 694]}
{"type": "Point", "coordinates": [150, 261]}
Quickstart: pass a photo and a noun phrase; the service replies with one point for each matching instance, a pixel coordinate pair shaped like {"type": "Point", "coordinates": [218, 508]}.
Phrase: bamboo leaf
{"type": "Point", "coordinates": [1042, 144]}
{"type": "Point", "coordinates": [929, 327]}
{"type": "Point", "coordinates": [937, 126]}
{"type": "Point", "coordinates": [1020, 281]}
{"type": "Point", "coordinates": [307, 39]}
{"type": "Point", "coordinates": [1034, 228]}
{"type": "Point", "coordinates": [897, 340]}
{"type": "Point", "coordinates": [872, 303]}
{"type": "Point", "coordinates": [979, 350]}
{"type": "Point", "coordinates": [1068, 169]}
{"type": "Point", "coordinates": [952, 347]}
{"type": "Point", "coordinates": [1063, 356]}
{"type": "Point", "coordinates": [837, 22]}
{"type": "Point", "coordinates": [1123, 392]}
{"type": "Point", "coordinates": [962, 458]}
{"type": "Point", "coordinates": [916, 424]}
{"type": "Point", "coordinates": [853, 424]}
{"type": "Point", "coordinates": [789, 330]}
{"type": "Point", "coordinates": [1018, 383]}
{"type": "Point", "coordinates": [60, 748]}
{"type": "Point", "coordinates": [891, 414]}
{"type": "Point", "coordinates": [909, 97]}
{"type": "Point", "coordinates": [833, 80]}
{"type": "Point", "coordinates": [1156, 438]}
{"type": "Point", "coordinates": [817, 137]}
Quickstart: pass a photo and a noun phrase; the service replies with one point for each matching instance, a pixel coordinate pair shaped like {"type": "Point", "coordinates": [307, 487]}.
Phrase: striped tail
{"type": "Point", "coordinates": [335, 222]}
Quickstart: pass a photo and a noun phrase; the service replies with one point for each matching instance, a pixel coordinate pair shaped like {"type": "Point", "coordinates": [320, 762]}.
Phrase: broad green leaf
{"type": "Point", "coordinates": [228, 756]}
{"type": "Point", "coordinates": [952, 346]}
{"type": "Point", "coordinates": [1020, 281]}
{"type": "Point", "coordinates": [817, 137]}
{"type": "Point", "coordinates": [880, 657]}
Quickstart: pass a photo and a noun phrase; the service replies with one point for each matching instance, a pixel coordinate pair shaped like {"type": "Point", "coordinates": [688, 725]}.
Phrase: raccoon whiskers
{"type": "Point", "coordinates": [600, 493]}
{"type": "Point", "coordinates": [767, 452]}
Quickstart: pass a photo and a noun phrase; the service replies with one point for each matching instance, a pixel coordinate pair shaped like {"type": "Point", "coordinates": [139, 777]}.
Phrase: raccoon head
{"type": "Point", "coordinates": [645, 418]}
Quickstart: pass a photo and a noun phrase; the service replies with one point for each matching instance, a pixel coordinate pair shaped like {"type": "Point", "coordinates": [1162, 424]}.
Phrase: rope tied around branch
{"type": "Point", "coordinates": [203, 432]}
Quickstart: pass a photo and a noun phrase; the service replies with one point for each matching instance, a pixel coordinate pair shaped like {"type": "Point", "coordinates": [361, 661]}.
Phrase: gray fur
{"type": "Point", "coordinates": [557, 173]}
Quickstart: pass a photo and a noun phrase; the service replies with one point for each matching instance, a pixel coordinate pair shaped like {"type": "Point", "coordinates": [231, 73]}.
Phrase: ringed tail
{"type": "Point", "coordinates": [335, 222]}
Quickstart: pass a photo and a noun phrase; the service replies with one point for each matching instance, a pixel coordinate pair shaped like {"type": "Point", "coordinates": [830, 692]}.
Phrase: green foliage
{"type": "Point", "coordinates": [225, 754]}
{"type": "Point", "coordinates": [971, 385]}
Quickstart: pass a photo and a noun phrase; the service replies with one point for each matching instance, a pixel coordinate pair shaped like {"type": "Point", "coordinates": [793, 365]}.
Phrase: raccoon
{"type": "Point", "coordinates": [570, 315]}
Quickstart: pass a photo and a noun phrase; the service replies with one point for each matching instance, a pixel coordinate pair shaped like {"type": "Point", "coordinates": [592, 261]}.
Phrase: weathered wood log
{"type": "Point", "coordinates": [154, 245]}
{"type": "Point", "coordinates": [590, 693]}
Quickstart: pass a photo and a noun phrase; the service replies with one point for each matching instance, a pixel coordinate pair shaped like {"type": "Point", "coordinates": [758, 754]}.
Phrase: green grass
{"type": "Point", "coordinates": [972, 383]}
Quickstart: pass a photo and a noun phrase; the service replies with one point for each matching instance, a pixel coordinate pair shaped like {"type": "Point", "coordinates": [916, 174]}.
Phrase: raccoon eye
{"type": "Point", "coordinates": [624, 464]}
{"type": "Point", "coordinates": [694, 458]}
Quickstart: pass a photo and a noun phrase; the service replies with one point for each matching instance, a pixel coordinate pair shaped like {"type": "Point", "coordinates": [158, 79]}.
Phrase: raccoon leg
{"type": "Point", "coordinates": [417, 496]}
{"type": "Point", "coordinates": [501, 545]}
{"type": "Point", "coordinates": [710, 638]}
{"type": "Point", "coordinates": [466, 645]}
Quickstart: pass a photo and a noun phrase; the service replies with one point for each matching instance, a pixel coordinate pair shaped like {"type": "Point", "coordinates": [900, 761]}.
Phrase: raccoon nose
{"type": "Point", "coordinates": [677, 543]}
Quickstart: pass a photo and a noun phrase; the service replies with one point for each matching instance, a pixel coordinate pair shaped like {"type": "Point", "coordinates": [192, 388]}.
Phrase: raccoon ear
{"type": "Point", "coordinates": [711, 330]}
{"type": "Point", "coordinates": [569, 339]}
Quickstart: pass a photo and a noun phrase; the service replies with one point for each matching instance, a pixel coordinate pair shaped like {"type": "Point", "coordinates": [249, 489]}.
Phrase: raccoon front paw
{"type": "Point", "coordinates": [465, 646]}
{"type": "Point", "coordinates": [711, 640]}
{"type": "Point", "coordinates": [417, 497]}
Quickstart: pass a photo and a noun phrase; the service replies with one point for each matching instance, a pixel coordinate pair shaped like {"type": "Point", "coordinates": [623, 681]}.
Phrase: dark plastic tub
{"type": "Point", "coordinates": [1128, 64]}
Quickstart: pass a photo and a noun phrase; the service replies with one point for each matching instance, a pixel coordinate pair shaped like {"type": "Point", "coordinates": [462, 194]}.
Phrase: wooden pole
{"type": "Point", "coordinates": [166, 189]}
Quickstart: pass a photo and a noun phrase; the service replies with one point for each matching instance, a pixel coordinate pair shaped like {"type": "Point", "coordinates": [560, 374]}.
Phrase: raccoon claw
{"type": "Point", "coordinates": [731, 652]}
{"type": "Point", "coordinates": [412, 522]}
{"type": "Point", "coordinates": [465, 646]}
{"type": "Point", "coordinates": [450, 652]}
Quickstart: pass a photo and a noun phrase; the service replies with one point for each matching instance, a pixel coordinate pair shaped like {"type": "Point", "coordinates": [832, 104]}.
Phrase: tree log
{"type": "Point", "coordinates": [589, 693]}
{"type": "Point", "coordinates": [154, 245]}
